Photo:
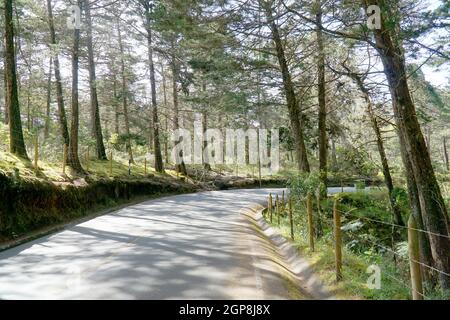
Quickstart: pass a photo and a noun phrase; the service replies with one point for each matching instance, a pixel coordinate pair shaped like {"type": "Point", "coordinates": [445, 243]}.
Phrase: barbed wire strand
{"type": "Point", "coordinates": [393, 224]}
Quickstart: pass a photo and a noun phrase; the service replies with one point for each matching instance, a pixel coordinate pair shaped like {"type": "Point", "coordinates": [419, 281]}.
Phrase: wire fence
{"type": "Point", "coordinates": [321, 222]}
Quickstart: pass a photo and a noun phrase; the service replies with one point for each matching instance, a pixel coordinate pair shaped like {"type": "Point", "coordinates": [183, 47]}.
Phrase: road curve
{"type": "Point", "coordinates": [194, 246]}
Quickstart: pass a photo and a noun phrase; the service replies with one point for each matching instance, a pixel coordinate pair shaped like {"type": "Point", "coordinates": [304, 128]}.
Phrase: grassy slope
{"type": "Point", "coordinates": [354, 284]}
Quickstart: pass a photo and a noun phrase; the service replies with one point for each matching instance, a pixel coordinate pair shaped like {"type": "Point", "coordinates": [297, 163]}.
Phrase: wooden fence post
{"type": "Point", "coordinates": [64, 158]}
{"type": "Point", "coordinates": [337, 240]}
{"type": "Point", "coordinates": [319, 231]}
{"type": "Point", "coordinates": [278, 210]}
{"type": "Point", "coordinates": [36, 152]}
{"type": "Point", "coordinates": [290, 218]}
{"type": "Point", "coordinates": [414, 258]}
{"type": "Point", "coordinates": [271, 207]}
{"type": "Point", "coordinates": [310, 221]}
{"type": "Point", "coordinates": [110, 162]}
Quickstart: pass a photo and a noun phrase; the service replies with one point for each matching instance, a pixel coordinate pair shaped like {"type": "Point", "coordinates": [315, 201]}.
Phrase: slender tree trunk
{"type": "Point", "coordinates": [125, 96]}
{"type": "Point", "coordinates": [428, 138]}
{"type": "Point", "coordinates": [206, 164]}
{"type": "Point", "coordinates": [380, 144]}
{"type": "Point", "coordinates": [16, 144]}
{"type": "Point", "coordinates": [96, 127]}
{"type": "Point", "coordinates": [179, 167]}
{"type": "Point", "coordinates": [434, 211]}
{"type": "Point", "coordinates": [29, 104]}
{"type": "Point", "coordinates": [59, 92]}
{"type": "Point", "coordinates": [444, 149]}
{"type": "Point", "coordinates": [73, 160]}
{"type": "Point", "coordinates": [166, 147]}
{"type": "Point", "coordinates": [413, 195]}
{"type": "Point", "coordinates": [322, 98]}
{"type": "Point", "coordinates": [49, 100]}
{"type": "Point", "coordinates": [159, 167]}
{"type": "Point", "coordinates": [333, 155]}
{"type": "Point", "coordinates": [116, 105]}
{"type": "Point", "coordinates": [5, 89]}
{"type": "Point", "coordinates": [295, 114]}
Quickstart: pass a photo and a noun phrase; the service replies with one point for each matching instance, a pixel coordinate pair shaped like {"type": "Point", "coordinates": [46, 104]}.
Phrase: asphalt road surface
{"type": "Point", "coordinates": [194, 246]}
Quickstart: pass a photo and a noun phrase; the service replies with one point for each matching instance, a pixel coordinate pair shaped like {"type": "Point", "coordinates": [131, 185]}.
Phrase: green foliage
{"type": "Point", "coordinates": [301, 184]}
{"type": "Point", "coordinates": [360, 185]}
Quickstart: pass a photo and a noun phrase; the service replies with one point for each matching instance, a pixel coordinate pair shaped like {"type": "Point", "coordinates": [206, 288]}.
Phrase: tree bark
{"type": "Point", "coordinates": [49, 100]}
{"type": "Point", "coordinates": [6, 118]}
{"type": "Point", "coordinates": [73, 160]}
{"type": "Point", "coordinates": [444, 147]}
{"type": "Point", "coordinates": [334, 162]}
{"type": "Point", "coordinates": [413, 195]}
{"type": "Point", "coordinates": [179, 167]}
{"type": "Point", "coordinates": [116, 105]}
{"type": "Point", "coordinates": [16, 144]}
{"type": "Point", "coordinates": [96, 127]}
{"type": "Point", "coordinates": [434, 211]}
{"type": "Point", "coordinates": [322, 125]}
{"type": "Point", "coordinates": [159, 167]}
{"type": "Point", "coordinates": [59, 92]}
{"type": "Point", "coordinates": [125, 96]}
{"type": "Point", "coordinates": [166, 147]}
{"type": "Point", "coordinates": [295, 114]}
{"type": "Point", "coordinates": [206, 164]}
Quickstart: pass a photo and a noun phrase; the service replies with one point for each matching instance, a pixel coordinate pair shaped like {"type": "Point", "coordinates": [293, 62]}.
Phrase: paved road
{"type": "Point", "coordinates": [194, 246]}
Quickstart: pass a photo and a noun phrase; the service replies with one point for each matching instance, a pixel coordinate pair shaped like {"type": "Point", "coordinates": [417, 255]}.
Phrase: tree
{"type": "Point", "coordinates": [291, 99]}
{"type": "Point", "coordinates": [73, 160]}
{"type": "Point", "coordinates": [156, 140]}
{"type": "Point", "coordinates": [124, 92]}
{"type": "Point", "coordinates": [321, 92]}
{"type": "Point", "coordinates": [16, 144]}
{"type": "Point", "coordinates": [389, 45]}
{"type": "Point", "coordinates": [96, 128]}
{"type": "Point", "coordinates": [59, 91]}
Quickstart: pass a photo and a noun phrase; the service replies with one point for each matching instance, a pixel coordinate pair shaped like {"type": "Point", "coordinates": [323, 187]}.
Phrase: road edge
{"type": "Point", "coordinates": [297, 272]}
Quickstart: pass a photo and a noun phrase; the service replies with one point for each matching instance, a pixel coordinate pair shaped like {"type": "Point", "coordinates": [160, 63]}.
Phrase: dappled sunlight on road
{"type": "Point", "coordinates": [189, 246]}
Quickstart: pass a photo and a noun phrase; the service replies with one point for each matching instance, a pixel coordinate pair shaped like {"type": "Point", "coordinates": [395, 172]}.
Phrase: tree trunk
{"type": "Point", "coordinates": [125, 96]}
{"type": "Point", "coordinates": [413, 195]}
{"type": "Point", "coordinates": [206, 164]}
{"type": "Point", "coordinates": [116, 105]}
{"type": "Point", "coordinates": [49, 100]}
{"type": "Point", "coordinates": [29, 126]}
{"type": "Point", "coordinates": [59, 92]}
{"type": "Point", "coordinates": [334, 161]}
{"type": "Point", "coordinates": [73, 160]}
{"type": "Point", "coordinates": [434, 211]}
{"type": "Point", "coordinates": [444, 147]}
{"type": "Point", "coordinates": [166, 147]}
{"type": "Point", "coordinates": [96, 127]}
{"type": "Point", "coordinates": [16, 144]}
{"type": "Point", "coordinates": [295, 115]}
{"type": "Point", "coordinates": [179, 167]}
{"type": "Point", "coordinates": [159, 167]}
{"type": "Point", "coordinates": [322, 126]}
{"type": "Point", "coordinates": [380, 145]}
{"type": "Point", "coordinates": [5, 90]}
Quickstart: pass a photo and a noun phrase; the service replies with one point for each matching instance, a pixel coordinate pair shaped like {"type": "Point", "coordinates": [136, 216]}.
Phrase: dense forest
{"type": "Point", "coordinates": [357, 90]}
